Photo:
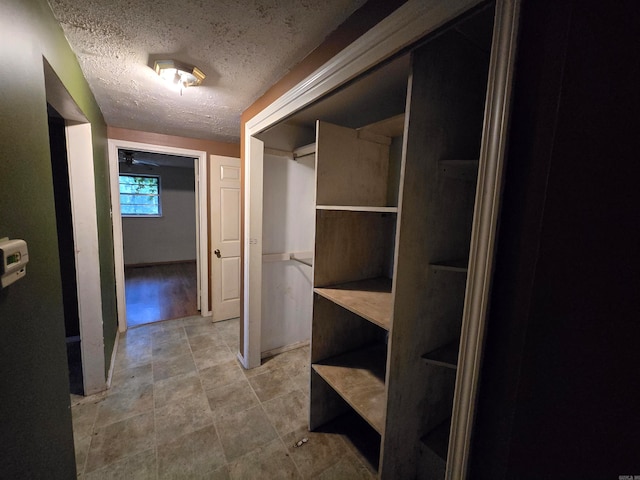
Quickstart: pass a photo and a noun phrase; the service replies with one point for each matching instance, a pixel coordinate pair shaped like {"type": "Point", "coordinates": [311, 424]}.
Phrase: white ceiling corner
{"type": "Point", "coordinates": [243, 46]}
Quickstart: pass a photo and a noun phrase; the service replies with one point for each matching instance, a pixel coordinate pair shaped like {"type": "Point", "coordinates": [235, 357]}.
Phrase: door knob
{"type": "Point", "coordinates": [217, 252]}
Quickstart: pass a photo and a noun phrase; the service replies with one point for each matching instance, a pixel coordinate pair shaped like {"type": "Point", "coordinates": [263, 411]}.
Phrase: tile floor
{"type": "Point", "coordinates": [181, 406]}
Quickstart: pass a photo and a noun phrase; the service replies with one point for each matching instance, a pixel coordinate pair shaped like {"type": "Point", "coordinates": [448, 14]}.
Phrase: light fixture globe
{"type": "Point", "coordinates": [179, 73]}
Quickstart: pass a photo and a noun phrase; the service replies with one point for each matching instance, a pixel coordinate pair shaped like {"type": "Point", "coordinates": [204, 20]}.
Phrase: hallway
{"type": "Point", "coordinates": [181, 406]}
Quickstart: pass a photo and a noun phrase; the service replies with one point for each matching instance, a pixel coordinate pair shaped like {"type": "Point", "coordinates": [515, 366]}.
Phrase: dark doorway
{"type": "Point", "coordinates": [64, 221]}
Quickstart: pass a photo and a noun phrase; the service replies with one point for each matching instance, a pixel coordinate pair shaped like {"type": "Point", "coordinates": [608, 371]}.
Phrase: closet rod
{"type": "Point", "coordinates": [302, 257]}
{"type": "Point", "coordinates": [301, 261]}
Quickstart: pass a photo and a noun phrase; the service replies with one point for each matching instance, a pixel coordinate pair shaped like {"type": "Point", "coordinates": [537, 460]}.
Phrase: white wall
{"type": "Point", "coordinates": [288, 226]}
{"type": "Point", "coordinates": [171, 237]}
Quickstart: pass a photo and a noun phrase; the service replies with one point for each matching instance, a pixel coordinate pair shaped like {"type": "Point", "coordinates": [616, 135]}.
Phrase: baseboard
{"type": "Point", "coordinates": [113, 360]}
{"type": "Point", "coordinates": [241, 359]}
{"type": "Point", "coordinates": [155, 264]}
{"type": "Point", "coordinates": [286, 348]}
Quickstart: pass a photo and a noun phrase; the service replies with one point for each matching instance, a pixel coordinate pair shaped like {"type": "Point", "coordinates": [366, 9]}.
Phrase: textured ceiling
{"type": "Point", "coordinates": [243, 46]}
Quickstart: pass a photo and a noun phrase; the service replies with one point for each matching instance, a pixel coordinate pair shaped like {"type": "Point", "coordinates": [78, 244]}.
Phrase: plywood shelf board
{"type": "Point", "coordinates": [446, 356]}
{"type": "Point", "coordinates": [371, 299]}
{"type": "Point", "coordinates": [389, 127]}
{"type": "Point", "coordinates": [358, 208]}
{"type": "Point", "coordinates": [351, 246]}
{"type": "Point", "coordinates": [358, 377]}
{"type": "Point", "coordinates": [451, 265]}
{"type": "Point", "coordinates": [349, 170]}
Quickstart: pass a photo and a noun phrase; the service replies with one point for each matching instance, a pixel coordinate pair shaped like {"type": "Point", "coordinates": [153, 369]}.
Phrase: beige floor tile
{"type": "Point", "coordinates": [134, 377]}
{"type": "Point", "coordinates": [171, 348]}
{"type": "Point", "coordinates": [296, 362]}
{"type": "Point", "coordinates": [193, 455]}
{"type": "Point", "coordinates": [243, 432]}
{"type": "Point", "coordinates": [195, 320]}
{"type": "Point", "coordinates": [168, 327]}
{"type": "Point", "coordinates": [288, 413]}
{"type": "Point", "coordinates": [221, 375]}
{"type": "Point", "coordinates": [176, 389]}
{"type": "Point", "coordinates": [206, 341]}
{"type": "Point", "coordinates": [141, 466]}
{"type": "Point", "coordinates": [197, 329]}
{"type": "Point", "coordinates": [171, 324]}
{"type": "Point", "coordinates": [302, 382]}
{"type": "Point", "coordinates": [346, 468]}
{"type": "Point", "coordinates": [179, 418]}
{"type": "Point", "coordinates": [228, 327]}
{"type": "Point", "coordinates": [212, 356]}
{"type": "Point", "coordinates": [229, 331]}
{"type": "Point", "coordinates": [220, 474]}
{"type": "Point", "coordinates": [118, 440]}
{"type": "Point", "coordinates": [203, 415]}
{"type": "Point", "coordinates": [233, 398]}
{"type": "Point", "coordinates": [125, 403]}
{"type": "Point", "coordinates": [135, 338]}
{"type": "Point", "coordinates": [234, 345]}
{"type": "Point", "coordinates": [272, 384]}
{"type": "Point", "coordinates": [81, 446]}
{"type": "Point", "coordinates": [171, 367]}
{"type": "Point", "coordinates": [320, 452]}
{"type": "Point", "coordinates": [165, 334]}
{"type": "Point", "coordinates": [133, 354]}
{"type": "Point", "coordinates": [84, 417]}
{"type": "Point", "coordinates": [269, 461]}
{"type": "Point", "coordinates": [267, 365]}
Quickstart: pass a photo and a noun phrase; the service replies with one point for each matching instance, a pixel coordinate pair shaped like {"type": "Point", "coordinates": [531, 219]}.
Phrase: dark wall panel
{"type": "Point", "coordinates": [559, 389]}
{"type": "Point", "coordinates": [35, 418]}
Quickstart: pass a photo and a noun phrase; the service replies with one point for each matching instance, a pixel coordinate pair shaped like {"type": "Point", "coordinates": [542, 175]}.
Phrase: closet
{"type": "Point", "coordinates": [288, 236]}
{"type": "Point", "coordinates": [397, 154]}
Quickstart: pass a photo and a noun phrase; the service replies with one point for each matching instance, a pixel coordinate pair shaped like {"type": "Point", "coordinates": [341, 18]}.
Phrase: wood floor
{"type": "Point", "coordinates": [160, 292]}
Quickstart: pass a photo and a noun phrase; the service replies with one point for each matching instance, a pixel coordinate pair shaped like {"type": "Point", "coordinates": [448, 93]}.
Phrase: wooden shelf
{"type": "Point", "coordinates": [460, 169]}
{"type": "Point", "coordinates": [358, 208]}
{"type": "Point", "coordinates": [358, 377]}
{"type": "Point", "coordinates": [446, 356]}
{"type": "Point", "coordinates": [389, 127]}
{"type": "Point", "coordinates": [371, 299]}
{"type": "Point", "coordinates": [437, 440]}
{"type": "Point", "coordinates": [451, 266]}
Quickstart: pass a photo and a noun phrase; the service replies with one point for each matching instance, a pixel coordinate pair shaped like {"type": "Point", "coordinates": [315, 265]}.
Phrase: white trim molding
{"type": "Point", "coordinates": [85, 235]}
{"type": "Point", "coordinates": [483, 235]}
{"type": "Point", "coordinates": [116, 219]}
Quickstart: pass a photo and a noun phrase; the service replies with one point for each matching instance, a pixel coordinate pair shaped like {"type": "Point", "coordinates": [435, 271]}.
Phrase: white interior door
{"type": "Point", "coordinates": [225, 237]}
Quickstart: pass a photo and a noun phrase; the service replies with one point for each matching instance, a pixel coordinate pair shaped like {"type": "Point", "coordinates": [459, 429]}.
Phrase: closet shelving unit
{"type": "Point", "coordinates": [356, 218]}
{"type": "Point", "coordinates": [393, 228]}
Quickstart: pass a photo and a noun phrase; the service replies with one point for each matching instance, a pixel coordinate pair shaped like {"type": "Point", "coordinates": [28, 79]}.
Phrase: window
{"type": "Point", "coordinates": [140, 196]}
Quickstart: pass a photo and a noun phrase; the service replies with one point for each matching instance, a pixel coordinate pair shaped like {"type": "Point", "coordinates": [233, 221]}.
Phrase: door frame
{"type": "Point", "coordinates": [202, 220]}
{"type": "Point", "coordinates": [84, 218]}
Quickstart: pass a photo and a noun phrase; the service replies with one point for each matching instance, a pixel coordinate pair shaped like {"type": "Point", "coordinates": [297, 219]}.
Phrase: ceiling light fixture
{"type": "Point", "coordinates": [179, 74]}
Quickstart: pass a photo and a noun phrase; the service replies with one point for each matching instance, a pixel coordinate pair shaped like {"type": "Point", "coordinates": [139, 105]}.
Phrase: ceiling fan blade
{"type": "Point", "coordinates": [145, 162]}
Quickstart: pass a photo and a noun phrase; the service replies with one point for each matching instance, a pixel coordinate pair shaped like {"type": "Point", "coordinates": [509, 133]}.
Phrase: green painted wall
{"type": "Point", "coordinates": [35, 419]}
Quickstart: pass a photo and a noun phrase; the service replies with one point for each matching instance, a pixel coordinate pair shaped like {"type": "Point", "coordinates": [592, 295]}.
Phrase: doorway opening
{"type": "Point", "coordinates": [66, 247]}
{"type": "Point", "coordinates": [158, 206]}
{"type": "Point", "coordinates": [142, 159]}
{"type": "Point", "coordinates": [76, 210]}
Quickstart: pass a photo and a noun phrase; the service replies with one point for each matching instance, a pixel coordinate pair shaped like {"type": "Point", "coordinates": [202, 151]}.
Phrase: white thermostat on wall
{"type": "Point", "coordinates": [15, 257]}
